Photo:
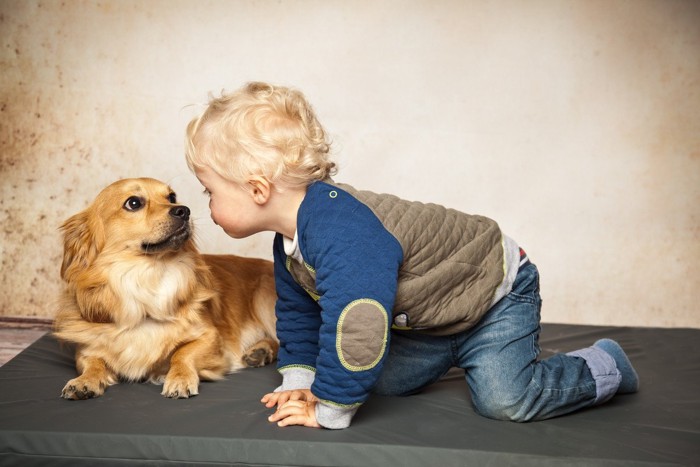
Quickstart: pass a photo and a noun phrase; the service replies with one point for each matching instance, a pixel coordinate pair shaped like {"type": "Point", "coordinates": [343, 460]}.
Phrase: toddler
{"type": "Point", "coordinates": [377, 294]}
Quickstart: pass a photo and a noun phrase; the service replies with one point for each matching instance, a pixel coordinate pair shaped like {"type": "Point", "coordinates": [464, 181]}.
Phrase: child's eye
{"type": "Point", "coordinates": [206, 193]}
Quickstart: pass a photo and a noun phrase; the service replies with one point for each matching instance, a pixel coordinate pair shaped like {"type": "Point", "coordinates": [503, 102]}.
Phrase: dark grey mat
{"type": "Point", "coordinates": [227, 425]}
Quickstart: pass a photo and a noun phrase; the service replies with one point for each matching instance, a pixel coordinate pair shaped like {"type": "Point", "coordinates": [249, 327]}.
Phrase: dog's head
{"type": "Point", "coordinates": [138, 216]}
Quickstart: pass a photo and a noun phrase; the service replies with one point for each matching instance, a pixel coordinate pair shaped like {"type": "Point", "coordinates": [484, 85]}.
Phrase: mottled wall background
{"type": "Point", "coordinates": [575, 124]}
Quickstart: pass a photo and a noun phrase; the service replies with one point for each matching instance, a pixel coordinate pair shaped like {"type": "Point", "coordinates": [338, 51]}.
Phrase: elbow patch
{"type": "Point", "coordinates": [362, 334]}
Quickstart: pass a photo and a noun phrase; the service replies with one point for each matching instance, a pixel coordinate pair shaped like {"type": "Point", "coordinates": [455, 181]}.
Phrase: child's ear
{"type": "Point", "coordinates": [260, 189]}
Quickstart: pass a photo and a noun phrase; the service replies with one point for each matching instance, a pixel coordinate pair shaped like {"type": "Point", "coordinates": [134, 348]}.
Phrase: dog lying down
{"type": "Point", "coordinates": [141, 303]}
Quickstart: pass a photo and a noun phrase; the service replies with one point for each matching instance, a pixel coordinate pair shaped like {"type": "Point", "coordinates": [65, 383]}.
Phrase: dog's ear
{"type": "Point", "coordinates": [83, 238]}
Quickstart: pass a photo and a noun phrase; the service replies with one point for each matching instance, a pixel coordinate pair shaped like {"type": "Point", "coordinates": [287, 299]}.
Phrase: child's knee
{"type": "Point", "coordinates": [500, 405]}
{"type": "Point", "coordinates": [499, 408]}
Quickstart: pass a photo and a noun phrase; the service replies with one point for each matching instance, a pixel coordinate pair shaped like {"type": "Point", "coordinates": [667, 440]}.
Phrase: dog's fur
{"type": "Point", "coordinates": [141, 303]}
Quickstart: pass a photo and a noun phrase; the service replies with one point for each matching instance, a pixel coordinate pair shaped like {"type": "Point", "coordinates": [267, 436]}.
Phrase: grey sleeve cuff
{"type": "Point", "coordinates": [296, 378]}
{"type": "Point", "coordinates": [334, 417]}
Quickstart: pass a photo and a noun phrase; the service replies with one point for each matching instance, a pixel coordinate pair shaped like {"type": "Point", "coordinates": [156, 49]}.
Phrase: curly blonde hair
{"type": "Point", "coordinates": [260, 130]}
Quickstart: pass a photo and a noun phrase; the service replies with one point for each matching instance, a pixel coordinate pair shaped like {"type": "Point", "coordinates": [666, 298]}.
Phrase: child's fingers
{"type": "Point", "coordinates": [287, 409]}
{"type": "Point", "coordinates": [270, 400]}
{"type": "Point", "coordinates": [288, 415]}
{"type": "Point", "coordinates": [275, 399]}
{"type": "Point", "coordinates": [302, 395]}
{"type": "Point", "coordinates": [295, 413]}
{"type": "Point", "coordinates": [282, 398]}
{"type": "Point", "coordinates": [297, 419]}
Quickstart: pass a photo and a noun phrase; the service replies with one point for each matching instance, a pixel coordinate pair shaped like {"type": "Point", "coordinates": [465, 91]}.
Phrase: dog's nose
{"type": "Point", "coordinates": [181, 212]}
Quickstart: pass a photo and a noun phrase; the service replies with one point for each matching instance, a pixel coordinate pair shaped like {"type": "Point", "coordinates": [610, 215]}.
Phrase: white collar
{"type": "Point", "coordinates": [291, 247]}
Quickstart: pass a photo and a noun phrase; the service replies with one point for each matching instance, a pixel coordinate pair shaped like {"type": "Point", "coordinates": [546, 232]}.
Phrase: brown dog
{"type": "Point", "coordinates": [141, 303]}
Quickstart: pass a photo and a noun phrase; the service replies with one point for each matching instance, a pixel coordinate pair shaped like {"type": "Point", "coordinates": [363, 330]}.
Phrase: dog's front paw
{"type": "Point", "coordinates": [258, 356]}
{"type": "Point", "coordinates": [81, 388]}
{"type": "Point", "coordinates": [180, 386]}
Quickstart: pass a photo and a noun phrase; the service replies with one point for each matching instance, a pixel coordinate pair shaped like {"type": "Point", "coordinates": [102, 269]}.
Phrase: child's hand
{"type": "Point", "coordinates": [279, 398]}
{"type": "Point", "coordinates": [297, 407]}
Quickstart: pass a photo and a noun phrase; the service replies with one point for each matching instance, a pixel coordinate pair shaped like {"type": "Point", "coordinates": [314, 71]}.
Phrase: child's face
{"type": "Point", "coordinates": [232, 206]}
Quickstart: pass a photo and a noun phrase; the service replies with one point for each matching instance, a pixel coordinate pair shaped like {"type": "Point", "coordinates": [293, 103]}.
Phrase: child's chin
{"type": "Point", "coordinates": [236, 235]}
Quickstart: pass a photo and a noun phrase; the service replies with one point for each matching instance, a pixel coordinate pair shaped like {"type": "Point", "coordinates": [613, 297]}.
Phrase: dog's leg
{"type": "Point", "coordinates": [93, 380]}
{"type": "Point", "coordinates": [262, 353]}
{"type": "Point", "coordinates": [199, 357]}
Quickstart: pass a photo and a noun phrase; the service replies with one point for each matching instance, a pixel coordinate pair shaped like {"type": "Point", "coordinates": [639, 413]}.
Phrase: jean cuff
{"type": "Point", "coordinates": [604, 371]}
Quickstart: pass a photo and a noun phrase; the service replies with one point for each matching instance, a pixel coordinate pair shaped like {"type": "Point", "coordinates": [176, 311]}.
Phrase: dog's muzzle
{"type": "Point", "coordinates": [178, 232]}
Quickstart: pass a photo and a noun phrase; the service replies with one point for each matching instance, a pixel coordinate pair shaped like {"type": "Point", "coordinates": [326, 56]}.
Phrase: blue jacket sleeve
{"type": "Point", "coordinates": [356, 261]}
{"type": "Point", "coordinates": [298, 318]}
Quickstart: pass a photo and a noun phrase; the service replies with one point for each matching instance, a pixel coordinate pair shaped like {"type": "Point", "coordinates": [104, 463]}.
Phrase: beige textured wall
{"type": "Point", "coordinates": [575, 124]}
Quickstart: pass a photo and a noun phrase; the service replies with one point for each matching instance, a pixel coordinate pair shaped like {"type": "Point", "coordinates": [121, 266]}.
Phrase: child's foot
{"type": "Point", "coordinates": [630, 380]}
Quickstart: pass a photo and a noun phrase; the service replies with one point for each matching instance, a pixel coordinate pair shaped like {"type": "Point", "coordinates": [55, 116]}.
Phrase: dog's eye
{"type": "Point", "coordinates": [172, 198]}
{"type": "Point", "coordinates": [134, 203]}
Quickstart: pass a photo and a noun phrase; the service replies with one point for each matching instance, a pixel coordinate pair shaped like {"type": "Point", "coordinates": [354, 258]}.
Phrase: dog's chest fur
{"type": "Point", "coordinates": [149, 288]}
{"type": "Point", "coordinates": [151, 294]}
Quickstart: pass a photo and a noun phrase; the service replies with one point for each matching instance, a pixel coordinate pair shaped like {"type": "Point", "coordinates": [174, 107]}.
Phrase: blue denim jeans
{"type": "Point", "coordinates": [499, 356]}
